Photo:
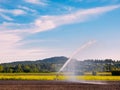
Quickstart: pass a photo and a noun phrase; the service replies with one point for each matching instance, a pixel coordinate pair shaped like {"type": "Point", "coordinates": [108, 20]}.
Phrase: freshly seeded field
{"type": "Point", "coordinates": [57, 85]}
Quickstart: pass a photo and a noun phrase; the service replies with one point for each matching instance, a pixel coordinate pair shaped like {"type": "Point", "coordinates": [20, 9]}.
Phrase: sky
{"type": "Point", "coordinates": [37, 29]}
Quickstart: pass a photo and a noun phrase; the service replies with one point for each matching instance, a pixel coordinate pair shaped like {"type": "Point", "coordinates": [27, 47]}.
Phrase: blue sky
{"type": "Point", "coordinates": [37, 29]}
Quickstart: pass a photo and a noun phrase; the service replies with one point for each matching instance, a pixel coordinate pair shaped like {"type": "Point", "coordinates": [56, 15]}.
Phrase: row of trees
{"type": "Point", "coordinates": [31, 68]}
{"type": "Point", "coordinates": [107, 65]}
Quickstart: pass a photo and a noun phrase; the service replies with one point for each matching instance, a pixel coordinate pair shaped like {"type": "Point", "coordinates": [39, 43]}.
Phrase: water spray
{"type": "Point", "coordinates": [84, 46]}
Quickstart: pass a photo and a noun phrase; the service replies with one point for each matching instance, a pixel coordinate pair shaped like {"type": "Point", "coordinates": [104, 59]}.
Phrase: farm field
{"type": "Point", "coordinates": [56, 85]}
{"type": "Point", "coordinates": [52, 76]}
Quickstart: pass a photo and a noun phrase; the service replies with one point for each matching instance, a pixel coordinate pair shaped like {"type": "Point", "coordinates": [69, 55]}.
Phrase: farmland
{"type": "Point", "coordinates": [55, 85]}
{"type": "Point", "coordinates": [52, 76]}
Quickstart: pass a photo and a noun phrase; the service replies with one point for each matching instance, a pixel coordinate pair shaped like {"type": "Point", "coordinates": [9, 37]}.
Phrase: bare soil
{"type": "Point", "coordinates": [57, 85]}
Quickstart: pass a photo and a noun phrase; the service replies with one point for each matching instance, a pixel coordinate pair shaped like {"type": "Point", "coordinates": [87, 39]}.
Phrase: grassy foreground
{"type": "Point", "coordinates": [52, 76]}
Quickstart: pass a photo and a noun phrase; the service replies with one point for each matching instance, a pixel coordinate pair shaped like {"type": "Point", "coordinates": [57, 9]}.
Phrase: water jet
{"type": "Point", "coordinates": [80, 49]}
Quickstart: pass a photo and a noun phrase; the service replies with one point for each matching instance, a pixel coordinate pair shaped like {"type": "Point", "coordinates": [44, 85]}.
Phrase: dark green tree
{"type": "Point", "coordinates": [26, 68]}
{"type": "Point", "coordinates": [1, 68]}
{"type": "Point", "coordinates": [18, 68]}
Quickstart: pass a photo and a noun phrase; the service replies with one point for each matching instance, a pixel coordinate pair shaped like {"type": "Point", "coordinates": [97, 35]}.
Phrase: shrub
{"type": "Point", "coordinates": [116, 73]}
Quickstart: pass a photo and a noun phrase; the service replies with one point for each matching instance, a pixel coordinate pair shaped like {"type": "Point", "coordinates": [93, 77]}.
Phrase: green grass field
{"type": "Point", "coordinates": [52, 76]}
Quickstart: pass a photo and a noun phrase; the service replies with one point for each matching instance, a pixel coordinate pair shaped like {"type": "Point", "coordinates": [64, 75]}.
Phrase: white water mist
{"type": "Point", "coordinates": [71, 67]}
{"type": "Point", "coordinates": [84, 46]}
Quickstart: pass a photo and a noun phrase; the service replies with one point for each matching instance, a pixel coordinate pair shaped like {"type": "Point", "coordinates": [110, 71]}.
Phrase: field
{"type": "Point", "coordinates": [52, 76]}
{"type": "Point", "coordinates": [47, 81]}
{"type": "Point", "coordinates": [56, 85]}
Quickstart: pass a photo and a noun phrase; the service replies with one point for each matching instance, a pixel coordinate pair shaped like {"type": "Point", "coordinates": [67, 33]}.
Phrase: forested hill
{"type": "Point", "coordinates": [55, 63]}
{"type": "Point", "coordinates": [46, 65]}
{"type": "Point", "coordinates": [55, 60]}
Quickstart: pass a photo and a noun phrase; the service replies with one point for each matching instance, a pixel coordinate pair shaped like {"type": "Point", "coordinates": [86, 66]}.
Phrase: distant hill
{"type": "Point", "coordinates": [59, 60]}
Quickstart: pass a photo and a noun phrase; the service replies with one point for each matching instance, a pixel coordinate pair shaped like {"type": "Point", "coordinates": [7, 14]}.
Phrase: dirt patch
{"type": "Point", "coordinates": [57, 85]}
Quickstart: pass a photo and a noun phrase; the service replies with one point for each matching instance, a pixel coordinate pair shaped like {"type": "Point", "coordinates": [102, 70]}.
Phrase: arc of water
{"type": "Point", "coordinates": [77, 51]}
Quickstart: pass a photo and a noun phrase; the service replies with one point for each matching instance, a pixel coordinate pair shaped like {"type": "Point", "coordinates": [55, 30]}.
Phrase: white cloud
{"type": "Point", "coordinates": [41, 25]}
{"type": "Point", "coordinates": [49, 22]}
{"type": "Point", "coordinates": [27, 9]}
{"type": "Point", "coordinates": [10, 51]}
{"type": "Point", "coordinates": [45, 23]}
{"type": "Point", "coordinates": [6, 17]}
{"type": "Point", "coordinates": [15, 12]}
{"type": "Point", "coordinates": [11, 46]}
{"type": "Point", "coordinates": [7, 40]}
{"type": "Point", "coordinates": [16, 28]}
{"type": "Point", "coordinates": [40, 2]}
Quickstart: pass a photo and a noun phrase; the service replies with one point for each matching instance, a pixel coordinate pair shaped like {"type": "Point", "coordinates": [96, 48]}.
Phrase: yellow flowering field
{"type": "Point", "coordinates": [52, 76]}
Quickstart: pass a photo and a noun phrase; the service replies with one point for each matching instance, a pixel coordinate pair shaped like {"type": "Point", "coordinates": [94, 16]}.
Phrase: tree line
{"type": "Point", "coordinates": [55, 63]}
